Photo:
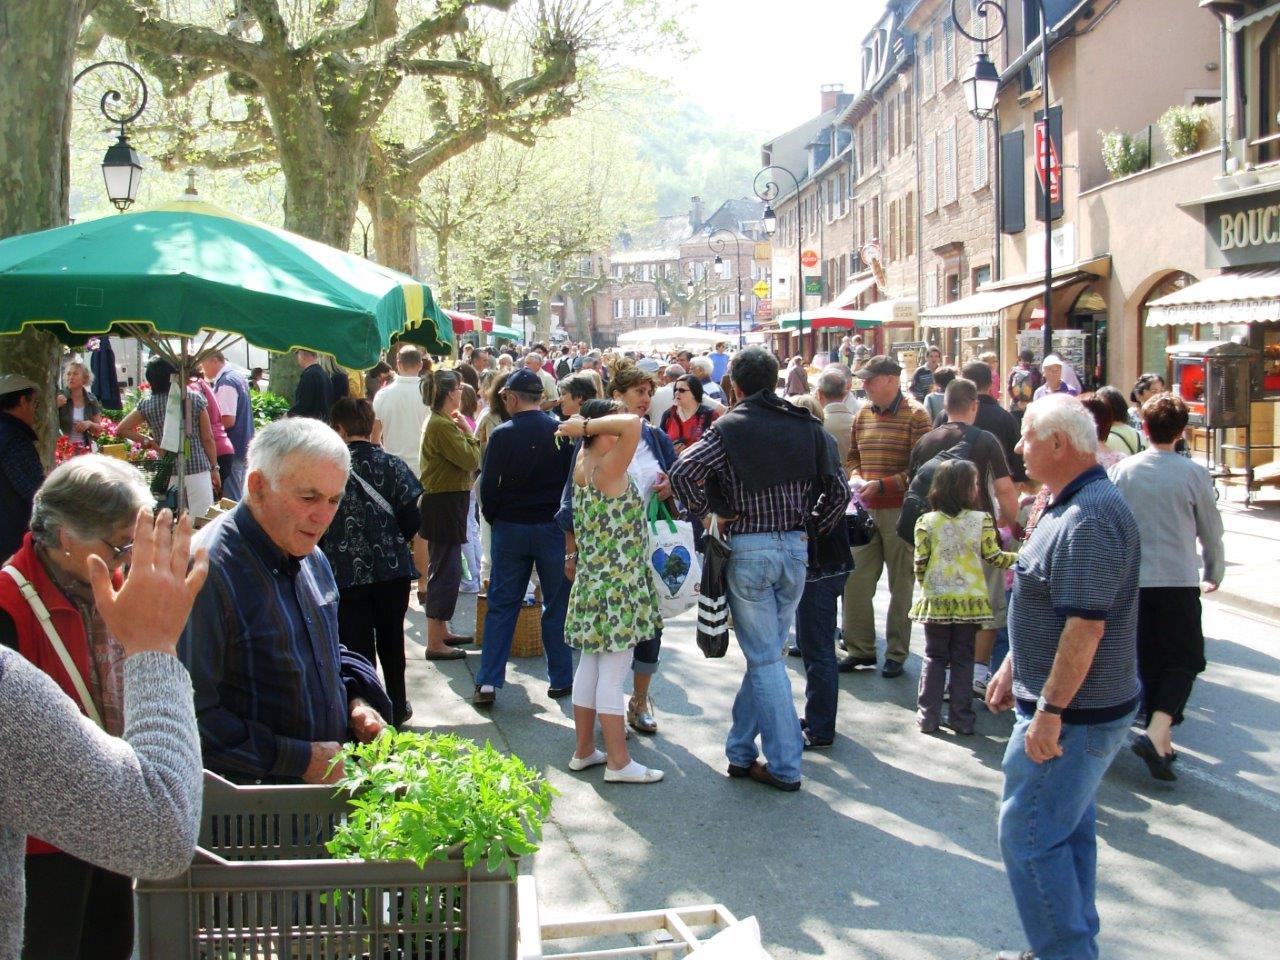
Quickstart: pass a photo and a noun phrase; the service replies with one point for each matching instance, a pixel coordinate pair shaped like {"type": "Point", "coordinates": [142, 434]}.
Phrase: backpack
{"type": "Point", "coordinates": [916, 502]}
{"type": "Point", "coordinates": [1022, 388]}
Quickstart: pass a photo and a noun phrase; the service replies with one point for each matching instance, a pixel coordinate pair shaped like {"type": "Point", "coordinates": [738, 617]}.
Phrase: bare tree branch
{"type": "Point", "coordinates": [274, 32]}
{"type": "Point", "coordinates": [379, 22]}
{"type": "Point", "coordinates": [140, 25]}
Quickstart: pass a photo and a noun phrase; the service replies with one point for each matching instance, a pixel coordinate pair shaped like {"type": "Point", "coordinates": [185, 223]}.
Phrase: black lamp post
{"type": "Point", "coordinates": [768, 192]}
{"type": "Point", "coordinates": [716, 242]}
{"type": "Point", "coordinates": [121, 167]}
{"type": "Point", "coordinates": [981, 87]}
{"type": "Point", "coordinates": [364, 233]}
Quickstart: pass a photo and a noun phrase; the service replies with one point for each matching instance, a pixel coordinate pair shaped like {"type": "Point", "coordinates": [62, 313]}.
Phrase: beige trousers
{"type": "Point", "coordinates": [886, 549]}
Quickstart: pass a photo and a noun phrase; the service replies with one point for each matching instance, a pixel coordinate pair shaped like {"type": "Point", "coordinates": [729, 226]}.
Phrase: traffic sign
{"type": "Point", "coordinates": [761, 289]}
{"type": "Point", "coordinates": [813, 286]}
{"type": "Point", "coordinates": [1042, 143]}
{"type": "Point", "coordinates": [748, 316]}
{"type": "Point", "coordinates": [809, 258]}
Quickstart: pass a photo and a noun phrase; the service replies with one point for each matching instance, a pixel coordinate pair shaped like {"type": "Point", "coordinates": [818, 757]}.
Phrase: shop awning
{"type": "Point", "coordinates": [986, 307]}
{"type": "Point", "coordinates": [826, 318]}
{"type": "Point", "coordinates": [850, 294]}
{"type": "Point", "coordinates": [897, 310]}
{"type": "Point", "coordinates": [1250, 296]}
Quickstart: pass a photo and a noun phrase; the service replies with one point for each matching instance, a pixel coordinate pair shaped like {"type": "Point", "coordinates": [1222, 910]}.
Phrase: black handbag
{"type": "Point", "coordinates": [713, 596]}
{"type": "Point", "coordinates": [860, 524]}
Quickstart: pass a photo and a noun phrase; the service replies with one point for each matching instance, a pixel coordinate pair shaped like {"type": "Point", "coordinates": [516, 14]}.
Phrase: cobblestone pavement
{"type": "Point", "coordinates": [889, 850]}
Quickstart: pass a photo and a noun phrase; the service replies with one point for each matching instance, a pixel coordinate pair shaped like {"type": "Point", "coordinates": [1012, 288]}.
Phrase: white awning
{"type": "Point", "coordinates": [850, 294]}
{"type": "Point", "coordinates": [986, 307]}
{"type": "Point", "coordinates": [1251, 296]}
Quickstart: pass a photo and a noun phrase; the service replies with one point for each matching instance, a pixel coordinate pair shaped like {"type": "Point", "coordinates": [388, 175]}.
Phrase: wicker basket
{"type": "Point", "coordinates": [527, 641]}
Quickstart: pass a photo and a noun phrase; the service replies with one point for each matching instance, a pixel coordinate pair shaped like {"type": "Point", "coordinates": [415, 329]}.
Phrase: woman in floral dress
{"type": "Point", "coordinates": [613, 605]}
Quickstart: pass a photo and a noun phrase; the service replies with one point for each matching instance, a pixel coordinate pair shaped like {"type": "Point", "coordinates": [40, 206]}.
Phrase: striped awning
{"type": "Point", "coordinates": [1250, 296]}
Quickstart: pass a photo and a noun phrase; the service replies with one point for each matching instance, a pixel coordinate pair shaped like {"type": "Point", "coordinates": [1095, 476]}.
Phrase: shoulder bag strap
{"type": "Point", "coordinates": [55, 641]}
{"type": "Point", "coordinates": [374, 495]}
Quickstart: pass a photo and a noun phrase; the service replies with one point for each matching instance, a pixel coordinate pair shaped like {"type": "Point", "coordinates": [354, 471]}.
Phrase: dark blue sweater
{"type": "Point", "coordinates": [524, 471]}
{"type": "Point", "coordinates": [21, 474]}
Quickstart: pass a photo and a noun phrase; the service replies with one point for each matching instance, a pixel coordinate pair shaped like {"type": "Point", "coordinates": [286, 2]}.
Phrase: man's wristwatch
{"type": "Point", "coordinates": [1044, 706]}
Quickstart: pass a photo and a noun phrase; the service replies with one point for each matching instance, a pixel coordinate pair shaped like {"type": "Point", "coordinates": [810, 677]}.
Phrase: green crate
{"type": "Point", "coordinates": [262, 886]}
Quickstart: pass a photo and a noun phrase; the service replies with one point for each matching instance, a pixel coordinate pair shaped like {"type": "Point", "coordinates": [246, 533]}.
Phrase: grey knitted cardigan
{"type": "Point", "coordinates": [131, 805]}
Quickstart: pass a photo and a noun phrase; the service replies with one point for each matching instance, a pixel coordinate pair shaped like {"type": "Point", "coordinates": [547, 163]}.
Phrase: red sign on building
{"type": "Point", "coordinates": [1042, 143]}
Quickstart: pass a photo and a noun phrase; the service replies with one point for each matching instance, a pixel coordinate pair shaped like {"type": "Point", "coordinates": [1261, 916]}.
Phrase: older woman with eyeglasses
{"type": "Point", "coordinates": [87, 508]}
{"type": "Point", "coordinates": [689, 418]}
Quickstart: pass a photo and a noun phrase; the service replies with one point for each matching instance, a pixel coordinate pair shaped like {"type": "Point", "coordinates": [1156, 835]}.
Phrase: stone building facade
{"type": "Point", "coordinates": [956, 212]}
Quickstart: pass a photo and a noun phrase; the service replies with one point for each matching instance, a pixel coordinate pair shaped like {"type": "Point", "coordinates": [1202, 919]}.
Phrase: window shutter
{"type": "Point", "coordinates": [949, 165]}
{"type": "Point", "coordinates": [931, 288]}
{"type": "Point", "coordinates": [948, 50]}
{"type": "Point", "coordinates": [931, 175]}
{"type": "Point", "coordinates": [981, 161]}
{"type": "Point", "coordinates": [1013, 201]}
{"type": "Point", "coordinates": [926, 65]}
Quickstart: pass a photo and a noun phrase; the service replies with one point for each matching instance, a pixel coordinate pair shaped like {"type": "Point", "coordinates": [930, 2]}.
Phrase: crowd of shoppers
{"type": "Point", "coordinates": [355, 499]}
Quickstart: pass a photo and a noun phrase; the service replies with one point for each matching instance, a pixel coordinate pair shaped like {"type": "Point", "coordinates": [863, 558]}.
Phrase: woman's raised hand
{"type": "Point", "coordinates": [150, 611]}
{"type": "Point", "coordinates": [574, 427]}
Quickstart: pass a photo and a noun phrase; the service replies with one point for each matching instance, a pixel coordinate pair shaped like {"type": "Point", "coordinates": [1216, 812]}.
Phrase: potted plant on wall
{"type": "Point", "coordinates": [1184, 129]}
{"type": "Point", "coordinates": [1123, 154]}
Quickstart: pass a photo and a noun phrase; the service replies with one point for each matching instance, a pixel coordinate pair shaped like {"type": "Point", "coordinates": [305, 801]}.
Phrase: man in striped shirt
{"type": "Point", "coordinates": [275, 692]}
{"type": "Point", "coordinates": [884, 431]}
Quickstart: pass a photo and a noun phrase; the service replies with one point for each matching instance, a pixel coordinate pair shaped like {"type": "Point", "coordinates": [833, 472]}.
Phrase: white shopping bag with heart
{"type": "Point", "coordinates": [673, 561]}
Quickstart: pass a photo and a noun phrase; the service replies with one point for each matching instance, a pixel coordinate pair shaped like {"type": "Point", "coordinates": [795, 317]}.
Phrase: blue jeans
{"type": "Point", "coordinates": [516, 549]}
{"type": "Point", "coordinates": [765, 579]}
{"type": "Point", "coordinates": [1048, 838]}
{"type": "Point", "coordinates": [816, 638]}
{"type": "Point", "coordinates": [645, 659]}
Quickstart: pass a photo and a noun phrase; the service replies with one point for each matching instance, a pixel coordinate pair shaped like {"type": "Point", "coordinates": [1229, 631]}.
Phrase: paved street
{"type": "Point", "coordinates": [890, 850]}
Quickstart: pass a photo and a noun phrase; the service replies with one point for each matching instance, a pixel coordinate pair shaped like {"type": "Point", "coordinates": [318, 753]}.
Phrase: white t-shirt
{"type": "Point", "coordinates": [662, 400]}
{"type": "Point", "coordinates": [644, 469]}
{"type": "Point", "coordinates": [399, 408]}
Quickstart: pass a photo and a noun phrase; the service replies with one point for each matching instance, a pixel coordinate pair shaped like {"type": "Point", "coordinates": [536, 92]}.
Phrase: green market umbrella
{"type": "Point", "coordinates": [189, 270]}
{"type": "Point", "coordinates": [502, 332]}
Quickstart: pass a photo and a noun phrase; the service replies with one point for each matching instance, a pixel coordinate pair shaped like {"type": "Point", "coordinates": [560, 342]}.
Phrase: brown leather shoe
{"type": "Point", "coordinates": [761, 773]}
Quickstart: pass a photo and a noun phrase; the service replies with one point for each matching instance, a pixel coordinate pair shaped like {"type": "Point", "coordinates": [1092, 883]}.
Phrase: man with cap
{"type": "Point", "coordinates": [21, 472]}
{"type": "Point", "coordinates": [884, 432]}
{"type": "Point", "coordinates": [520, 482]}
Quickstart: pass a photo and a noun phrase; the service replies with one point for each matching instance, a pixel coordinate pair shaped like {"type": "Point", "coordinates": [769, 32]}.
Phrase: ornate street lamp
{"type": "Point", "coordinates": [768, 192]}
{"type": "Point", "coordinates": [981, 87]}
{"type": "Point", "coordinates": [716, 243]}
{"type": "Point", "coordinates": [121, 167]}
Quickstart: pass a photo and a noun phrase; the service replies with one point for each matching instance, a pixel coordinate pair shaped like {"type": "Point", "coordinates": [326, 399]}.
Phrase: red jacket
{"type": "Point", "coordinates": [32, 642]}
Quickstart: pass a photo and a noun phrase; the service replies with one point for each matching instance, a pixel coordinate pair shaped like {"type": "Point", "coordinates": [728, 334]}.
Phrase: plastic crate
{"type": "Point", "coordinates": [262, 886]}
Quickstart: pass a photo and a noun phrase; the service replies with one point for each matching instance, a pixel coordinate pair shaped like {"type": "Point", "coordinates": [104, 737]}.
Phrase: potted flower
{"type": "Point", "coordinates": [1183, 128]}
{"type": "Point", "coordinates": [1123, 154]}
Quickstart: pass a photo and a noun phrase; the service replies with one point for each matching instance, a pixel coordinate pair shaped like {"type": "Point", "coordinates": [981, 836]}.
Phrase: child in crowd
{"type": "Point", "coordinates": [952, 541]}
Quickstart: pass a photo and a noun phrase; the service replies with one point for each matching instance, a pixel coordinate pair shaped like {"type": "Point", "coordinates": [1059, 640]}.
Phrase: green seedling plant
{"type": "Point", "coordinates": [421, 796]}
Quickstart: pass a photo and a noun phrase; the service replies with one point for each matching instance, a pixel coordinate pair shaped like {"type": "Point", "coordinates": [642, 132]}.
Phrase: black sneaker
{"type": "Point", "coordinates": [813, 743]}
{"type": "Point", "coordinates": [850, 663]}
{"type": "Point", "coordinates": [556, 693]}
{"type": "Point", "coordinates": [794, 651]}
{"type": "Point", "coordinates": [892, 668]}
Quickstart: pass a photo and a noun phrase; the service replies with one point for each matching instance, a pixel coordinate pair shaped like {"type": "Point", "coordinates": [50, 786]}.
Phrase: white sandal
{"type": "Point", "coordinates": [633, 772]}
{"type": "Point", "coordinates": [582, 763]}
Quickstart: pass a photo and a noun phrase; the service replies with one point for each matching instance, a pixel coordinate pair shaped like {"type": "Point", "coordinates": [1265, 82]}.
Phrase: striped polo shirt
{"type": "Point", "coordinates": [1081, 560]}
{"type": "Point", "coordinates": [880, 447]}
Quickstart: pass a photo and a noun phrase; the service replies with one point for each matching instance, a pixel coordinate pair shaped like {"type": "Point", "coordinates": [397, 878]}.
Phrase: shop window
{"type": "Point", "coordinates": [1269, 91]}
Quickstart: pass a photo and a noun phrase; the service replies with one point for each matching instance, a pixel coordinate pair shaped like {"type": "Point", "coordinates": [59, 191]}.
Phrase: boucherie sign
{"type": "Point", "coordinates": [1243, 231]}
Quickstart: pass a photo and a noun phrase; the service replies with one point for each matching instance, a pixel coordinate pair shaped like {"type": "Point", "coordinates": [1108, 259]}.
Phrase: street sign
{"type": "Point", "coordinates": [813, 286]}
{"type": "Point", "coordinates": [1055, 163]}
{"type": "Point", "coordinates": [809, 258]}
{"type": "Point", "coordinates": [527, 307]}
{"type": "Point", "coordinates": [764, 309]}
{"type": "Point", "coordinates": [748, 316]}
{"type": "Point", "coordinates": [761, 289]}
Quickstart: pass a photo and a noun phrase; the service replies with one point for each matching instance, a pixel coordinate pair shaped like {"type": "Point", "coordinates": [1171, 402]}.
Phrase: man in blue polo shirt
{"type": "Point", "coordinates": [1072, 677]}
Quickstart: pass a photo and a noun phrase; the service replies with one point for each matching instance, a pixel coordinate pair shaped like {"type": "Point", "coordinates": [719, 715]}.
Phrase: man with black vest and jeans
{"type": "Point", "coordinates": [766, 470]}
